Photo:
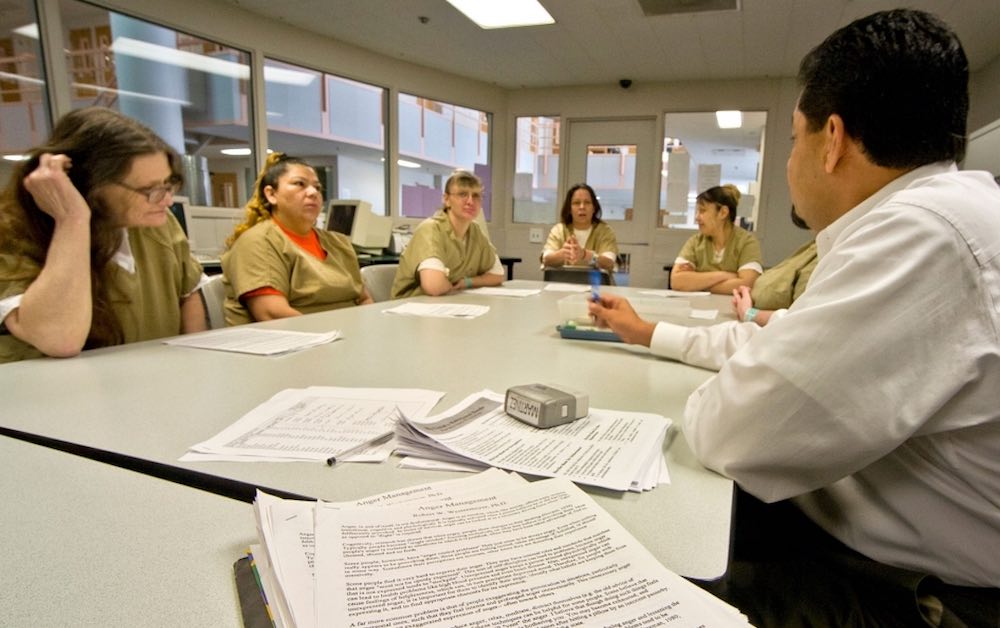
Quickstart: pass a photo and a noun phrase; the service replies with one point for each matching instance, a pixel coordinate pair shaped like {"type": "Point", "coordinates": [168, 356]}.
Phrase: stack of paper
{"type": "Point", "coordinates": [317, 423]}
{"type": "Point", "coordinates": [489, 550]}
{"type": "Point", "coordinates": [611, 449]}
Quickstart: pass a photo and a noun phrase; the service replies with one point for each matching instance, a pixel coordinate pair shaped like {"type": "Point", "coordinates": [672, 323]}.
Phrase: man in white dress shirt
{"type": "Point", "coordinates": [866, 417]}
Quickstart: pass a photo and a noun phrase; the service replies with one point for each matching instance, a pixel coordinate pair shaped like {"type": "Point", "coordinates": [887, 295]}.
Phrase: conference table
{"type": "Point", "coordinates": [141, 406]}
{"type": "Point", "coordinates": [90, 544]}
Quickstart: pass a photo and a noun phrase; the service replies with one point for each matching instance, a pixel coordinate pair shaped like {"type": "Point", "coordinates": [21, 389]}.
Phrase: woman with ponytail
{"type": "Point", "coordinates": [277, 263]}
{"type": "Point", "coordinates": [722, 256]}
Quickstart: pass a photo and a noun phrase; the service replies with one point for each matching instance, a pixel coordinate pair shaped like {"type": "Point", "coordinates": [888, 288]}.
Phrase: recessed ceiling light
{"type": "Point", "coordinates": [236, 152]}
{"type": "Point", "coordinates": [729, 119]}
{"type": "Point", "coordinates": [507, 14]}
{"type": "Point", "coordinates": [15, 157]}
{"type": "Point", "coordinates": [407, 164]}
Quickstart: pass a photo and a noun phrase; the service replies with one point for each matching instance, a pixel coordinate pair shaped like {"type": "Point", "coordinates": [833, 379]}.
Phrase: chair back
{"type": "Point", "coordinates": [378, 279]}
{"type": "Point", "coordinates": [214, 295]}
{"type": "Point", "coordinates": [575, 274]}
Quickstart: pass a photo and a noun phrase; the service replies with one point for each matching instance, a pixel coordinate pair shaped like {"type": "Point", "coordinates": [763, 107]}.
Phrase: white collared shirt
{"type": "Point", "coordinates": [874, 401]}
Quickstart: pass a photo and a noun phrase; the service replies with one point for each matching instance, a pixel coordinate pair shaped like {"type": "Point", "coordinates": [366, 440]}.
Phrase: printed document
{"type": "Point", "coordinates": [608, 448]}
{"type": "Point", "coordinates": [439, 310]}
{"type": "Point", "coordinates": [538, 554]}
{"type": "Point", "coordinates": [253, 340]}
{"type": "Point", "coordinates": [505, 292]}
{"type": "Point", "coordinates": [318, 422]}
{"type": "Point", "coordinates": [286, 528]}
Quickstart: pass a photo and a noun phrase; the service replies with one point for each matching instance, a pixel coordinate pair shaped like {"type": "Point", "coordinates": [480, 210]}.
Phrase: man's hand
{"type": "Point", "coordinates": [617, 313]}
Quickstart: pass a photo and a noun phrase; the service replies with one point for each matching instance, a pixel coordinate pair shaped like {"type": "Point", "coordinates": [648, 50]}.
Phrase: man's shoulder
{"type": "Point", "coordinates": [969, 201]}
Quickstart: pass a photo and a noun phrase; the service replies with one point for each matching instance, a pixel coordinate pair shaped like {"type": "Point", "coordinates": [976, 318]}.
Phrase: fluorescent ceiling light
{"type": "Point", "coordinates": [729, 119]}
{"type": "Point", "coordinates": [236, 152]}
{"type": "Point", "coordinates": [28, 30]}
{"type": "Point", "coordinates": [506, 14]}
{"type": "Point", "coordinates": [407, 164]}
{"type": "Point", "coordinates": [15, 157]}
{"type": "Point", "coordinates": [202, 63]}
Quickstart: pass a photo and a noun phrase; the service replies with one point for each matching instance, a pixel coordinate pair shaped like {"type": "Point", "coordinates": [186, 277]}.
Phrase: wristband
{"type": "Point", "coordinates": [468, 282]}
{"type": "Point", "coordinates": [750, 315]}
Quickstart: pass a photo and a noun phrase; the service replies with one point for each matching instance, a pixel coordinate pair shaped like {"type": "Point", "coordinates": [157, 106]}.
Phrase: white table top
{"type": "Point", "coordinates": [152, 401]}
{"type": "Point", "coordinates": [89, 544]}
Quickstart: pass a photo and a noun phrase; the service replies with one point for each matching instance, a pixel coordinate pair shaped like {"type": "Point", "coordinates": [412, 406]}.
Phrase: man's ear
{"type": "Point", "coordinates": [836, 142]}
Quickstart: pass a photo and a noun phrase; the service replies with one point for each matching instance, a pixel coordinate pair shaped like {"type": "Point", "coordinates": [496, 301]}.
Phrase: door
{"type": "Point", "coordinates": [619, 159]}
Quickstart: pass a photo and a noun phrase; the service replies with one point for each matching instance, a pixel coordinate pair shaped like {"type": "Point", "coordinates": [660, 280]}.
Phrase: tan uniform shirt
{"type": "Point", "coordinates": [778, 287]}
{"type": "Point", "coordinates": [601, 239]}
{"type": "Point", "coordinates": [436, 238]}
{"type": "Point", "coordinates": [741, 250]}
{"type": "Point", "coordinates": [147, 302]}
{"type": "Point", "coordinates": [264, 256]}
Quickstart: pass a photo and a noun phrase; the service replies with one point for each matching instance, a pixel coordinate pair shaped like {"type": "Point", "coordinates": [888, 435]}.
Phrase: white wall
{"type": "Point", "coordinates": [778, 236]}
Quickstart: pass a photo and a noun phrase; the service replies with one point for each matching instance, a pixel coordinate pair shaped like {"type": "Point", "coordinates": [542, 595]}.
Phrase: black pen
{"type": "Point", "coordinates": [378, 440]}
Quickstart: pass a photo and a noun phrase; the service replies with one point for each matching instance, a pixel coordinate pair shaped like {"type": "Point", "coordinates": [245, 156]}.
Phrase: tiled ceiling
{"type": "Point", "coordinates": [601, 41]}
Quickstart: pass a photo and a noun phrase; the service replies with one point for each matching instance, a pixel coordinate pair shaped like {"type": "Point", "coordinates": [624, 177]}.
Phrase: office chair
{"type": "Point", "coordinates": [575, 274]}
{"type": "Point", "coordinates": [214, 295]}
{"type": "Point", "coordinates": [378, 279]}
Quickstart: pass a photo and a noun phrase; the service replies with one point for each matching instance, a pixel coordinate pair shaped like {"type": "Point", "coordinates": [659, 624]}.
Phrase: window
{"type": "Point", "coordinates": [24, 114]}
{"type": "Point", "coordinates": [435, 138]}
{"type": "Point", "coordinates": [536, 170]}
{"type": "Point", "coordinates": [611, 172]}
{"type": "Point", "coordinates": [335, 124]}
{"type": "Point", "coordinates": [191, 91]}
{"type": "Point", "coordinates": [698, 154]}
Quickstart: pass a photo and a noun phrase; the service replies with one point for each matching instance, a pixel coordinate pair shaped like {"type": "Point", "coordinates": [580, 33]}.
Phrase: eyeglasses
{"type": "Point", "coordinates": [155, 193]}
{"type": "Point", "coordinates": [466, 194]}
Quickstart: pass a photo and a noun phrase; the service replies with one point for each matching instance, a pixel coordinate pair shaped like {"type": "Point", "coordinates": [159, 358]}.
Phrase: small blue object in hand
{"type": "Point", "coordinates": [595, 284]}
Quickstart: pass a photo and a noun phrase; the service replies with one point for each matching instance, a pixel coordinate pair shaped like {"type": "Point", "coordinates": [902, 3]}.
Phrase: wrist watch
{"type": "Point", "coordinates": [593, 258]}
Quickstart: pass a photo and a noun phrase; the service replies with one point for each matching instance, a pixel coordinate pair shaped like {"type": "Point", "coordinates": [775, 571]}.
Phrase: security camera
{"type": "Point", "coordinates": [625, 83]}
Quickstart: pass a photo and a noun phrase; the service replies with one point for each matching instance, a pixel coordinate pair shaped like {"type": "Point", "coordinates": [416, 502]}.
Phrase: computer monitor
{"type": "Point", "coordinates": [354, 218]}
{"type": "Point", "coordinates": [177, 209]}
{"type": "Point", "coordinates": [208, 227]}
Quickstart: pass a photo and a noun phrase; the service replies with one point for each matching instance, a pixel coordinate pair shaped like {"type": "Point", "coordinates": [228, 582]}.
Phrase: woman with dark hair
{"type": "Point", "coordinates": [90, 255]}
{"type": "Point", "coordinates": [580, 220]}
{"type": "Point", "coordinates": [278, 264]}
{"type": "Point", "coordinates": [722, 256]}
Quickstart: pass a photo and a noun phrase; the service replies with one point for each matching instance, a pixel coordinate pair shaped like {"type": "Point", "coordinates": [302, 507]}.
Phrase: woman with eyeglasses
{"type": "Point", "coordinates": [581, 238]}
{"type": "Point", "coordinates": [723, 256]}
{"type": "Point", "coordinates": [90, 255]}
{"type": "Point", "coordinates": [277, 263]}
{"type": "Point", "coordinates": [448, 252]}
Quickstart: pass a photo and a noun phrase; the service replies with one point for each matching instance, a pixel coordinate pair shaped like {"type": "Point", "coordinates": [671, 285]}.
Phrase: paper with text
{"type": "Point", "coordinates": [608, 448]}
{"type": "Point", "coordinates": [318, 422]}
{"type": "Point", "coordinates": [254, 340]}
{"type": "Point", "coordinates": [439, 310]}
{"type": "Point", "coordinates": [540, 554]}
{"type": "Point", "coordinates": [505, 292]}
{"type": "Point", "coordinates": [287, 529]}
